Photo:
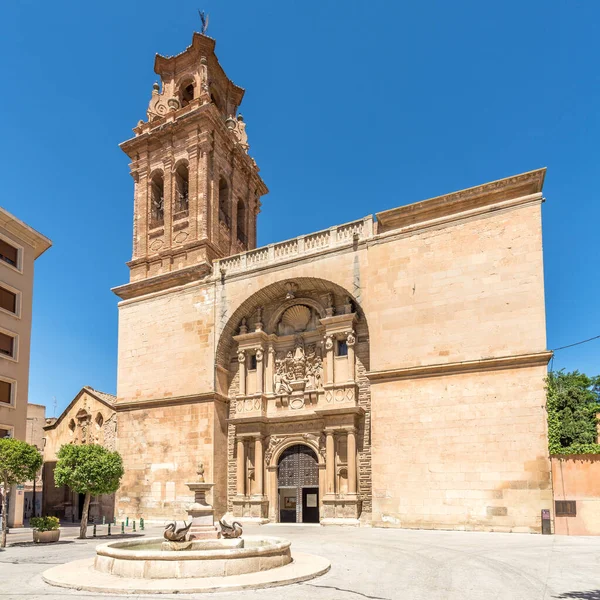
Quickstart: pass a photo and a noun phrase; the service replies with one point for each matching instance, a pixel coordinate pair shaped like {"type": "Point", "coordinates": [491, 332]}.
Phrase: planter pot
{"type": "Point", "coordinates": [46, 537]}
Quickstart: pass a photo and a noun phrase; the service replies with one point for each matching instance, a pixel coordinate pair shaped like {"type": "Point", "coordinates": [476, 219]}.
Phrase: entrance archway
{"type": "Point", "coordinates": [298, 485]}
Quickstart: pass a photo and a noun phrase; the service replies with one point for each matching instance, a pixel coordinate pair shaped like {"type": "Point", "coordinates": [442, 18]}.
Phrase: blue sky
{"type": "Point", "coordinates": [351, 108]}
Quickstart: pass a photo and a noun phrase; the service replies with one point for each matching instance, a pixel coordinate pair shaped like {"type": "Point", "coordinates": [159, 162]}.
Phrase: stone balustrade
{"type": "Point", "coordinates": [304, 245]}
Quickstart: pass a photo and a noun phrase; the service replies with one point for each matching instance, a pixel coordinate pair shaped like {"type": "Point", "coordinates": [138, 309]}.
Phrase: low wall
{"type": "Point", "coordinates": [577, 478]}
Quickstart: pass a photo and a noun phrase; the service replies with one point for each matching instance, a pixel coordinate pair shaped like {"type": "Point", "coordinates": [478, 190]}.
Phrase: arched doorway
{"type": "Point", "coordinates": [298, 485]}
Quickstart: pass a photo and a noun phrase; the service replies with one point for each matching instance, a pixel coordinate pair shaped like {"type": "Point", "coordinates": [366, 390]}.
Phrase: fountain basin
{"type": "Point", "coordinates": [145, 560]}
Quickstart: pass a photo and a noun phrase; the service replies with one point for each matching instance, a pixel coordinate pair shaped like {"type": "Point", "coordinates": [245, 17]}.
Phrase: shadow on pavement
{"type": "Point", "coordinates": [41, 544]}
{"type": "Point", "coordinates": [591, 595]}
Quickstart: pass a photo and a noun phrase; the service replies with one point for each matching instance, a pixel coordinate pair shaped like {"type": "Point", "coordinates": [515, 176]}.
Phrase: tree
{"type": "Point", "coordinates": [88, 469]}
{"type": "Point", "coordinates": [19, 462]}
{"type": "Point", "coordinates": [573, 402]}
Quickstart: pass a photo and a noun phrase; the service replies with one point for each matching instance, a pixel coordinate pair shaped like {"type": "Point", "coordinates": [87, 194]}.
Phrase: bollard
{"type": "Point", "coordinates": [126, 521]}
{"type": "Point", "coordinates": [122, 526]}
{"type": "Point", "coordinates": [109, 529]}
{"type": "Point", "coordinates": [94, 533]}
{"type": "Point", "coordinates": [114, 520]}
{"type": "Point", "coordinates": [134, 526]}
{"type": "Point", "coordinates": [103, 520]}
{"type": "Point", "coordinates": [141, 524]}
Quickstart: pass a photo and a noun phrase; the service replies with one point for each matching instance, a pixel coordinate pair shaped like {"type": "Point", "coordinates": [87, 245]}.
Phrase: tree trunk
{"type": "Point", "coordinates": [4, 514]}
{"type": "Point", "coordinates": [84, 517]}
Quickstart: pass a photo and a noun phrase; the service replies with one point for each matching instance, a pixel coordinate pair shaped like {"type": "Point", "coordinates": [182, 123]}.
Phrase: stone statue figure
{"type": "Point", "coordinates": [280, 379]}
{"type": "Point", "coordinates": [200, 472]}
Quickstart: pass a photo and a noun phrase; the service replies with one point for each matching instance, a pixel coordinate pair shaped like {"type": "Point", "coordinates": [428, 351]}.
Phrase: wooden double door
{"type": "Point", "coordinates": [298, 485]}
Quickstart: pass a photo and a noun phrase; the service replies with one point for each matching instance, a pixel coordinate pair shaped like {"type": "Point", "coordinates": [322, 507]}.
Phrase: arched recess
{"type": "Point", "coordinates": [182, 183]}
{"type": "Point", "coordinates": [309, 290]}
{"type": "Point", "coordinates": [157, 199]}
{"type": "Point", "coordinates": [224, 208]}
{"type": "Point", "coordinates": [241, 221]}
{"type": "Point", "coordinates": [260, 315]}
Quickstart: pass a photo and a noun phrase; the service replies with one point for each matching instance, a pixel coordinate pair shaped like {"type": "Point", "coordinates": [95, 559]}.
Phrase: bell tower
{"type": "Point", "coordinates": [197, 190]}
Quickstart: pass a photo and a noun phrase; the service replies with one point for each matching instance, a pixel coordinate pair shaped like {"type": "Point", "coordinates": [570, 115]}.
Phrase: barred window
{"type": "Point", "coordinates": [565, 508]}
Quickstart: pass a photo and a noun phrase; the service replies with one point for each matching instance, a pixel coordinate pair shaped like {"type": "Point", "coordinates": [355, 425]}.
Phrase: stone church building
{"type": "Point", "coordinates": [388, 371]}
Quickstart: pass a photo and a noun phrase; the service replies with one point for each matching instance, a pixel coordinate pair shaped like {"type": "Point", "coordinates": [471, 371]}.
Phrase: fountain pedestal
{"type": "Point", "coordinates": [202, 514]}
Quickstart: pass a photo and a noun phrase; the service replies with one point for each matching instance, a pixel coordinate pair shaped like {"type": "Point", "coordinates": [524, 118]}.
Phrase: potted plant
{"type": "Point", "coordinates": [45, 529]}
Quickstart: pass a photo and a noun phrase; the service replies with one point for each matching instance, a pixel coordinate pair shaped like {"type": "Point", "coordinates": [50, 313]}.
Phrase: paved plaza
{"type": "Point", "coordinates": [377, 564]}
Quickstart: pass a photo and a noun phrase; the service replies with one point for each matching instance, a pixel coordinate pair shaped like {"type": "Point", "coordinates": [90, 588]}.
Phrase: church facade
{"type": "Point", "coordinates": [388, 371]}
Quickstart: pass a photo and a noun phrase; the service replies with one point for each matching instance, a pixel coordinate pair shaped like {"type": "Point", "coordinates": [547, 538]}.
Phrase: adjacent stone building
{"type": "Point", "coordinates": [386, 371]}
{"type": "Point", "coordinates": [20, 246]}
{"type": "Point", "coordinates": [90, 418]}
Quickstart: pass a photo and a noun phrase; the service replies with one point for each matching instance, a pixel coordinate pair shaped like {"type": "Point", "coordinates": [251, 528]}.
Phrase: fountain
{"type": "Point", "coordinates": [198, 556]}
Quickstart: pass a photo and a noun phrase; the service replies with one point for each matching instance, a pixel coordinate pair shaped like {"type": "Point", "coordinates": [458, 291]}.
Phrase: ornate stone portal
{"type": "Point", "coordinates": [294, 381]}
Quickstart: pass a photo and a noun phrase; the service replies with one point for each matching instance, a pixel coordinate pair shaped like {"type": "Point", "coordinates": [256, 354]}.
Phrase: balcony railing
{"type": "Point", "coordinates": [304, 245]}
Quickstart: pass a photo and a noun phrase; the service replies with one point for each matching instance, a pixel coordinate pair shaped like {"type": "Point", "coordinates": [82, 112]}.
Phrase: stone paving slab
{"type": "Point", "coordinates": [372, 564]}
{"type": "Point", "coordinates": [80, 575]}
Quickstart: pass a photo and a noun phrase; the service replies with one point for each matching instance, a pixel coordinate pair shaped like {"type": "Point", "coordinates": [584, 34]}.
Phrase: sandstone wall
{"type": "Point", "coordinates": [462, 451]}
{"type": "Point", "coordinates": [466, 291]}
{"type": "Point", "coordinates": [577, 478]}
{"type": "Point", "coordinates": [161, 448]}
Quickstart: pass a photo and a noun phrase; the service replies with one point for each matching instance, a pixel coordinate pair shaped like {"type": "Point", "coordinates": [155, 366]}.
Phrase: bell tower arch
{"type": "Point", "coordinates": [197, 190]}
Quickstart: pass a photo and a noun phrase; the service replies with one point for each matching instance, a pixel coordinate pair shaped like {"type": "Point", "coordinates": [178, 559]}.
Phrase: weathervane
{"type": "Point", "coordinates": [204, 19]}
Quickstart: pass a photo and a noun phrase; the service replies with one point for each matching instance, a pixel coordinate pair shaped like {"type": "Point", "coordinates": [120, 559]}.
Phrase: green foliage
{"type": "Point", "coordinates": [88, 469]}
{"type": "Point", "coordinates": [573, 403]}
{"type": "Point", "coordinates": [19, 461]}
{"type": "Point", "coordinates": [44, 523]}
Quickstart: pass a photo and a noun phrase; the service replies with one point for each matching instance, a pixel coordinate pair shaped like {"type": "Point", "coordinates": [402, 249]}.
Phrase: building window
{"type": "Point", "coordinates": [224, 215]}
{"type": "Point", "coordinates": [252, 362]}
{"type": "Point", "coordinates": [186, 93]}
{"type": "Point", "coordinates": [182, 189]}
{"type": "Point", "coordinates": [7, 389]}
{"type": "Point", "coordinates": [342, 348]}
{"type": "Point", "coordinates": [157, 209]}
{"type": "Point", "coordinates": [99, 421]}
{"type": "Point", "coordinates": [8, 253]}
{"type": "Point", "coordinates": [8, 300]}
{"type": "Point", "coordinates": [5, 432]}
{"type": "Point", "coordinates": [241, 223]}
{"type": "Point", "coordinates": [565, 508]}
{"type": "Point", "coordinates": [7, 345]}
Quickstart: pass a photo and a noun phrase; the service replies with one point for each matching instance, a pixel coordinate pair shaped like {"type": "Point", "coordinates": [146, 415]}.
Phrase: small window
{"type": "Point", "coordinates": [5, 433]}
{"type": "Point", "coordinates": [157, 210]}
{"type": "Point", "coordinates": [99, 421]}
{"type": "Point", "coordinates": [8, 253]}
{"type": "Point", "coordinates": [253, 362]}
{"type": "Point", "coordinates": [241, 223]}
{"type": "Point", "coordinates": [72, 425]}
{"type": "Point", "coordinates": [182, 188]}
{"type": "Point", "coordinates": [342, 348]}
{"type": "Point", "coordinates": [224, 216]}
{"type": "Point", "coordinates": [6, 390]}
{"type": "Point", "coordinates": [565, 508]}
{"type": "Point", "coordinates": [8, 300]}
{"type": "Point", "coordinates": [187, 94]}
{"type": "Point", "coordinates": [7, 345]}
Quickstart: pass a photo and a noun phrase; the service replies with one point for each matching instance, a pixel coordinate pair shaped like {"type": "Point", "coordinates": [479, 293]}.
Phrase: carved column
{"type": "Point", "coordinates": [204, 202]}
{"type": "Point", "coordinates": [350, 342]}
{"type": "Point", "coordinates": [242, 372]}
{"type": "Point", "coordinates": [241, 467]}
{"type": "Point", "coordinates": [269, 371]}
{"type": "Point", "coordinates": [330, 462]}
{"type": "Point", "coordinates": [352, 461]}
{"type": "Point", "coordinates": [329, 351]}
{"type": "Point", "coordinates": [168, 201]}
{"type": "Point", "coordinates": [259, 371]}
{"type": "Point", "coordinates": [258, 465]}
{"type": "Point", "coordinates": [193, 202]}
